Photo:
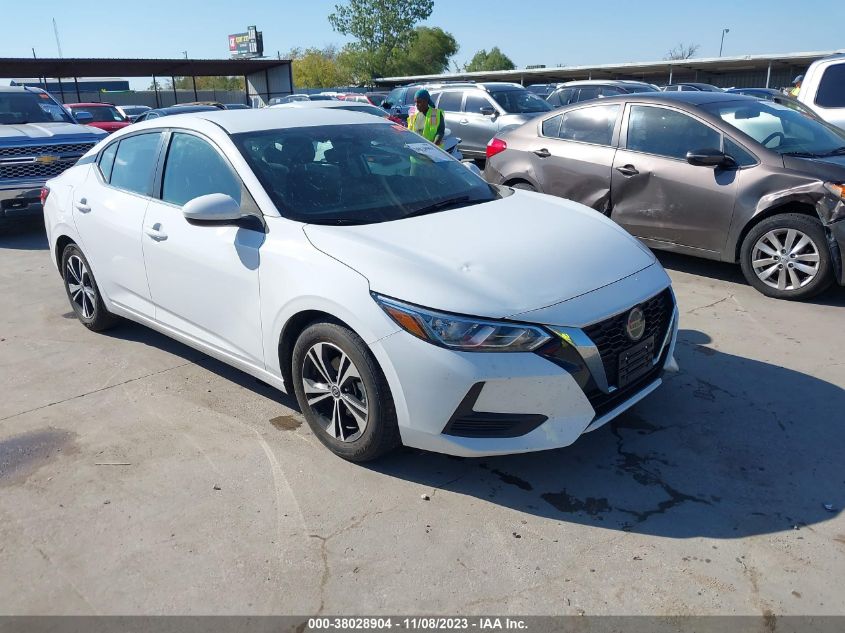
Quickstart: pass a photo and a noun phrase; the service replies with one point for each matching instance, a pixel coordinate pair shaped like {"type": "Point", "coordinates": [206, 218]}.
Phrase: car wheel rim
{"type": "Point", "coordinates": [785, 259]}
{"type": "Point", "coordinates": [80, 286]}
{"type": "Point", "coordinates": [335, 392]}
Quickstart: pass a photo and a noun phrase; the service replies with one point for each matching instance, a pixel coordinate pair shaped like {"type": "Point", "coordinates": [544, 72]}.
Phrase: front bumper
{"type": "Point", "coordinates": [517, 402]}
{"type": "Point", "coordinates": [21, 199]}
{"type": "Point", "coordinates": [837, 249]}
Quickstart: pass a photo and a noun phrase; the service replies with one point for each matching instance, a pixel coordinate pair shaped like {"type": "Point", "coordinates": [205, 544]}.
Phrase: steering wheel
{"type": "Point", "coordinates": [773, 136]}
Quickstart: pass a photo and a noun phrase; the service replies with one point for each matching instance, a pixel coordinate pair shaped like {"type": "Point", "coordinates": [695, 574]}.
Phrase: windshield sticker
{"type": "Point", "coordinates": [429, 151]}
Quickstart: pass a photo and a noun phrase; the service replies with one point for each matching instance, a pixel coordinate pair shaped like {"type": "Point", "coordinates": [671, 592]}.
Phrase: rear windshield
{"type": "Point", "coordinates": [17, 108]}
{"type": "Point", "coordinates": [519, 100]}
{"type": "Point", "coordinates": [357, 174]}
{"type": "Point", "coordinates": [639, 88]}
{"type": "Point", "coordinates": [364, 109]}
{"type": "Point", "coordinates": [101, 114]}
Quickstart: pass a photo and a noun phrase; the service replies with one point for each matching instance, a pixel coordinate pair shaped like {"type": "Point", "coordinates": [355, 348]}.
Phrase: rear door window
{"type": "Point", "coordinates": [107, 161]}
{"type": "Point", "coordinates": [590, 92]}
{"type": "Point", "coordinates": [551, 127]}
{"type": "Point", "coordinates": [668, 132]}
{"type": "Point", "coordinates": [831, 92]}
{"type": "Point", "coordinates": [135, 163]}
{"type": "Point", "coordinates": [450, 101]}
{"type": "Point", "coordinates": [590, 125]}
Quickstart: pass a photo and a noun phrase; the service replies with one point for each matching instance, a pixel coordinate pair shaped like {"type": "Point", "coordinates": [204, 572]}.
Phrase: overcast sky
{"type": "Point", "coordinates": [547, 32]}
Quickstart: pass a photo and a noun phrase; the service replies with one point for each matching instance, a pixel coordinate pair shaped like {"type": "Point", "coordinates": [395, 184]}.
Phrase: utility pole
{"type": "Point", "coordinates": [185, 53]}
{"type": "Point", "coordinates": [723, 40]}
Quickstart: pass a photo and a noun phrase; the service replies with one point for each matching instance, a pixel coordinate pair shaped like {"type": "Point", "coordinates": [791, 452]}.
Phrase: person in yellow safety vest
{"type": "Point", "coordinates": [427, 121]}
{"type": "Point", "coordinates": [796, 83]}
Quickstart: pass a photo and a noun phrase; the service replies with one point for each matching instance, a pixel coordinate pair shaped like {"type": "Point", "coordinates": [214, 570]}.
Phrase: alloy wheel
{"type": "Point", "coordinates": [785, 259]}
{"type": "Point", "coordinates": [81, 286]}
{"type": "Point", "coordinates": [335, 391]}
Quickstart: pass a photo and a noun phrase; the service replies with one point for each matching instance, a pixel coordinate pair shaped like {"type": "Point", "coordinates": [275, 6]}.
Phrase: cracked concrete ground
{"type": "Point", "coordinates": [138, 476]}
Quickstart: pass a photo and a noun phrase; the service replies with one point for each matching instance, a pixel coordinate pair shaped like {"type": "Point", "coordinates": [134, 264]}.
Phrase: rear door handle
{"type": "Point", "coordinates": [627, 170]}
{"type": "Point", "coordinates": [155, 232]}
{"type": "Point", "coordinates": [463, 121]}
{"type": "Point", "coordinates": [82, 206]}
{"type": "Point", "coordinates": [542, 153]}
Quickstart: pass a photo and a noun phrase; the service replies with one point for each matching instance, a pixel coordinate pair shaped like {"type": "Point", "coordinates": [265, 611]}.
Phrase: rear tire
{"type": "Point", "coordinates": [82, 291]}
{"type": "Point", "coordinates": [787, 257]}
{"type": "Point", "coordinates": [343, 394]}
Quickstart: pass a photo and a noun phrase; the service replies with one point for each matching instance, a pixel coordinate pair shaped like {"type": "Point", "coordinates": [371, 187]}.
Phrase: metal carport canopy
{"type": "Point", "coordinates": [91, 67]}
{"type": "Point", "coordinates": [628, 69]}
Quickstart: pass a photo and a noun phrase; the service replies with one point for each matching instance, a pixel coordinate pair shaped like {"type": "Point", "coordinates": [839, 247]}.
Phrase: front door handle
{"type": "Point", "coordinates": [627, 170]}
{"type": "Point", "coordinates": [463, 121]}
{"type": "Point", "coordinates": [82, 206]}
{"type": "Point", "coordinates": [155, 232]}
{"type": "Point", "coordinates": [542, 153]}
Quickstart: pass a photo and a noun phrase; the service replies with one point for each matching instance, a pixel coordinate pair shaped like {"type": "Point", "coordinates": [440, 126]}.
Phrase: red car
{"type": "Point", "coordinates": [106, 116]}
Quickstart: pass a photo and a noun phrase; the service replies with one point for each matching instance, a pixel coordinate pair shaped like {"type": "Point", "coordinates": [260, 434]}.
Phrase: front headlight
{"type": "Point", "coordinates": [466, 334]}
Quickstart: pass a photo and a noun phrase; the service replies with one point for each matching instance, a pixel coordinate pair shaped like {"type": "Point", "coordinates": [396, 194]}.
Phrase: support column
{"type": "Point", "coordinates": [769, 74]}
{"type": "Point", "coordinates": [194, 81]}
{"type": "Point", "coordinates": [76, 84]}
{"type": "Point", "coordinates": [61, 89]}
{"type": "Point", "coordinates": [155, 87]}
{"type": "Point", "coordinates": [173, 85]}
{"type": "Point", "coordinates": [671, 70]}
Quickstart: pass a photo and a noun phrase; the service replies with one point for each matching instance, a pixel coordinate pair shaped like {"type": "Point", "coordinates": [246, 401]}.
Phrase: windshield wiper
{"type": "Point", "coordinates": [801, 154]}
{"type": "Point", "coordinates": [458, 201]}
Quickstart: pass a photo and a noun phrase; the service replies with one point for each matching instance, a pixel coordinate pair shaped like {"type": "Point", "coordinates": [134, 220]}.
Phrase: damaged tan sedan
{"type": "Point", "coordinates": [725, 177]}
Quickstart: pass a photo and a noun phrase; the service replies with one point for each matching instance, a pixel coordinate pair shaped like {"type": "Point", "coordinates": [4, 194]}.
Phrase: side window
{"type": "Point", "coordinates": [551, 127]}
{"type": "Point", "coordinates": [107, 161]}
{"type": "Point", "coordinates": [590, 125]}
{"type": "Point", "coordinates": [394, 98]}
{"type": "Point", "coordinates": [564, 97]}
{"type": "Point", "coordinates": [831, 92]}
{"type": "Point", "coordinates": [587, 93]}
{"type": "Point", "coordinates": [409, 95]}
{"type": "Point", "coordinates": [735, 151]}
{"type": "Point", "coordinates": [668, 132]}
{"type": "Point", "coordinates": [184, 181]}
{"type": "Point", "coordinates": [450, 101]}
{"type": "Point", "coordinates": [135, 163]}
{"type": "Point", "coordinates": [611, 91]}
{"type": "Point", "coordinates": [475, 102]}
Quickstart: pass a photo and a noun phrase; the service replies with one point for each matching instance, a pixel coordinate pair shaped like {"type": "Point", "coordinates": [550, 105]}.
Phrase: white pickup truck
{"type": "Point", "coordinates": [823, 89]}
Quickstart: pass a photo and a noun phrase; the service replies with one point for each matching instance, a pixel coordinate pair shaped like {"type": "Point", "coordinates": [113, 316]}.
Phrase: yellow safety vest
{"type": "Point", "coordinates": [794, 92]}
{"type": "Point", "coordinates": [432, 122]}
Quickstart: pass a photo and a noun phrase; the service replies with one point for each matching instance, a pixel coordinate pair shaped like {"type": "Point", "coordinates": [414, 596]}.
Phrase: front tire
{"type": "Point", "coordinates": [787, 257]}
{"type": "Point", "coordinates": [343, 394]}
{"type": "Point", "coordinates": [82, 291]}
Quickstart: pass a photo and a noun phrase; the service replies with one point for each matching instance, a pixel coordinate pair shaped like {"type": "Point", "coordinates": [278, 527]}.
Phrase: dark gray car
{"type": "Point", "coordinates": [726, 177]}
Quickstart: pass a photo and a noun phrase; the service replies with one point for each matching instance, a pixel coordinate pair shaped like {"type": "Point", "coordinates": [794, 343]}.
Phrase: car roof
{"type": "Point", "coordinates": [305, 105]}
{"type": "Point", "coordinates": [237, 121]}
{"type": "Point", "coordinates": [185, 108]}
{"type": "Point", "coordinates": [89, 105]}
{"type": "Point", "coordinates": [693, 98]}
{"type": "Point", "coordinates": [603, 82]}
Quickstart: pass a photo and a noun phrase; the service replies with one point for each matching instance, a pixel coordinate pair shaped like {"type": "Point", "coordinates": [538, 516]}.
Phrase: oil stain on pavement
{"type": "Point", "coordinates": [21, 455]}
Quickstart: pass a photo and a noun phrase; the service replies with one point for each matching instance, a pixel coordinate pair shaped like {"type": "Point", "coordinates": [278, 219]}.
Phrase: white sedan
{"type": "Point", "coordinates": [398, 295]}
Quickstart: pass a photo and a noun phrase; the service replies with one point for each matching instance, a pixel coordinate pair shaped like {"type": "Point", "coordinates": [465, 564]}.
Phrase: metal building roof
{"type": "Point", "coordinates": [94, 67]}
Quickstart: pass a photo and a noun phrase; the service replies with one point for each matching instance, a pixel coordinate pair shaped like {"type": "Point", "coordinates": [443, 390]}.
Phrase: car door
{"type": "Point", "coordinates": [204, 276]}
{"type": "Point", "coordinates": [108, 210]}
{"type": "Point", "coordinates": [476, 129]}
{"type": "Point", "coordinates": [656, 194]}
{"type": "Point", "coordinates": [574, 154]}
{"type": "Point", "coordinates": [450, 102]}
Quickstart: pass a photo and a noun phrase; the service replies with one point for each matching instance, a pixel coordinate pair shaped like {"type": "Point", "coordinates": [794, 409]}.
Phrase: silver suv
{"type": "Point", "coordinates": [477, 112]}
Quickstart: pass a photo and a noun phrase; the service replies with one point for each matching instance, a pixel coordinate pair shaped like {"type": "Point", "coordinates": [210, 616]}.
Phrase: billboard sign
{"type": "Point", "coordinates": [249, 44]}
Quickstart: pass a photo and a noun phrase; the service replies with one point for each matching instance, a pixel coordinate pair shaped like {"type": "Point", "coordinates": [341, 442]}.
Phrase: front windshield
{"type": "Point", "coordinates": [783, 129]}
{"type": "Point", "coordinates": [519, 101]}
{"type": "Point", "coordinates": [357, 174]}
{"type": "Point", "coordinates": [101, 114]}
{"type": "Point", "coordinates": [30, 107]}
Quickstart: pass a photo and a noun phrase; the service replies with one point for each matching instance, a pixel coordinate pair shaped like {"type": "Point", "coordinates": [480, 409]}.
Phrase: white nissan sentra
{"type": "Point", "coordinates": [342, 258]}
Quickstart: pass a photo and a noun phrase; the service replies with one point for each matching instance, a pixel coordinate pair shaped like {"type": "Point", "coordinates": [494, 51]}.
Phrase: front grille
{"type": "Point", "coordinates": [42, 150]}
{"type": "Point", "coordinates": [35, 170]}
{"type": "Point", "coordinates": [610, 338]}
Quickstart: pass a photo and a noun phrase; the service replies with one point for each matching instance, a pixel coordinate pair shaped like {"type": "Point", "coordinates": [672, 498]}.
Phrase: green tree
{"type": "Point", "coordinates": [382, 30]}
{"type": "Point", "coordinates": [211, 83]}
{"type": "Point", "coordinates": [427, 52]}
{"type": "Point", "coordinates": [318, 68]}
{"type": "Point", "coordinates": [494, 60]}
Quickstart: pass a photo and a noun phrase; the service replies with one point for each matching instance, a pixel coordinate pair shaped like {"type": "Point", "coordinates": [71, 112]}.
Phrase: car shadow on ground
{"type": "Point", "coordinates": [129, 331]}
{"type": "Point", "coordinates": [723, 271]}
{"type": "Point", "coordinates": [729, 447]}
{"type": "Point", "coordinates": [25, 234]}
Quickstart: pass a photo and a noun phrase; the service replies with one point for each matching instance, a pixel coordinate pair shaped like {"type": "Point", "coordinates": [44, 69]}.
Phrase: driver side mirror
{"type": "Point", "coordinates": [83, 117]}
{"type": "Point", "coordinates": [710, 158]}
{"type": "Point", "coordinates": [386, 105]}
{"type": "Point", "coordinates": [488, 111]}
{"type": "Point", "coordinates": [214, 207]}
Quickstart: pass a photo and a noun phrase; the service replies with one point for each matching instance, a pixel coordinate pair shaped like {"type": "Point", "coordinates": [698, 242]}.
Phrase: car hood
{"type": "Point", "coordinates": [48, 132]}
{"type": "Point", "coordinates": [523, 252]}
{"type": "Point", "coordinates": [825, 168]}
